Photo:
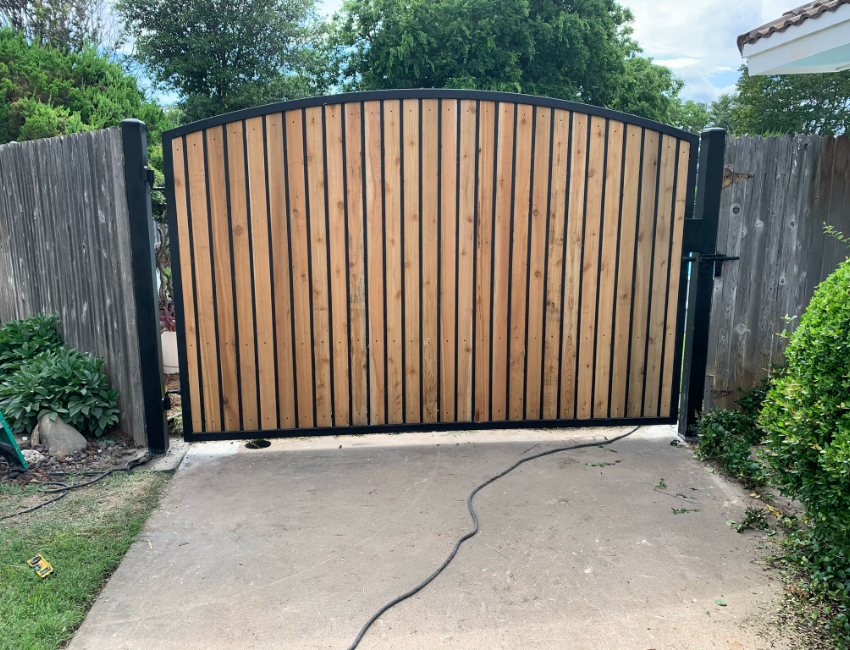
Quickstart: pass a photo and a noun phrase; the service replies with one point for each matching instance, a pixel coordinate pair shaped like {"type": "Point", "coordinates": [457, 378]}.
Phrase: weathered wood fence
{"type": "Point", "coordinates": [66, 247]}
{"type": "Point", "coordinates": [778, 195]}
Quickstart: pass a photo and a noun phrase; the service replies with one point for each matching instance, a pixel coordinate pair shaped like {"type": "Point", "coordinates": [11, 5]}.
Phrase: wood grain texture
{"type": "Point", "coordinates": [261, 268]}
{"type": "Point", "coordinates": [484, 257]}
{"type": "Point", "coordinates": [537, 263]}
{"type": "Point", "coordinates": [430, 260]}
{"type": "Point", "coordinates": [299, 242]}
{"type": "Point", "coordinates": [555, 273]}
{"type": "Point", "coordinates": [412, 276]}
{"type": "Point", "coordinates": [501, 262]}
{"type": "Point", "coordinates": [357, 305]}
{"type": "Point", "coordinates": [204, 303]}
{"type": "Point", "coordinates": [280, 273]}
{"type": "Point", "coordinates": [393, 261]}
{"type": "Point", "coordinates": [335, 180]}
{"type": "Point", "coordinates": [467, 156]}
{"type": "Point", "coordinates": [448, 258]}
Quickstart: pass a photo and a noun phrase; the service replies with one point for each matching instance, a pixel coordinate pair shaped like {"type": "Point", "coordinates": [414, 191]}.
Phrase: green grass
{"type": "Point", "coordinates": [83, 536]}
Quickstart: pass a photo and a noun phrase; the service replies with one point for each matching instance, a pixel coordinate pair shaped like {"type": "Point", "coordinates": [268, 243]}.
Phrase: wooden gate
{"type": "Point", "coordinates": [427, 259]}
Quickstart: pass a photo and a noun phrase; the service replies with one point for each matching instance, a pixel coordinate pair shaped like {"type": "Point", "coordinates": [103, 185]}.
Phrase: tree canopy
{"type": "Point", "coordinates": [579, 50]}
{"type": "Point", "coordinates": [46, 91]}
{"type": "Point", "coordinates": [223, 55]}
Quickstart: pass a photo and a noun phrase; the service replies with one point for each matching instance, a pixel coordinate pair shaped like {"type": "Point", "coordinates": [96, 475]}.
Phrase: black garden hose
{"type": "Point", "coordinates": [474, 530]}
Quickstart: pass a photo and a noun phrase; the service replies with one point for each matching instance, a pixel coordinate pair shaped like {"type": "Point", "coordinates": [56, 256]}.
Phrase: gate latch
{"type": "Point", "coordinates": [717, 258]}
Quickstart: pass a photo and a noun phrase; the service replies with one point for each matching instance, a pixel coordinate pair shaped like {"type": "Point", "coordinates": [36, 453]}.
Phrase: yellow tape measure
{"type": "Point", "coordinates": [41, 566]}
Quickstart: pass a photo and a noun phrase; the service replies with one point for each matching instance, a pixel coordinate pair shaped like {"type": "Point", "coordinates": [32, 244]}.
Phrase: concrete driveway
{"type": "Point", "coordinates": [297, 545]}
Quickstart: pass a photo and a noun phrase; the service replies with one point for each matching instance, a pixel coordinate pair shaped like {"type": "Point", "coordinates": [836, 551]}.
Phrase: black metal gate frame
{"type": "Point", "coordinates": [695, 284]}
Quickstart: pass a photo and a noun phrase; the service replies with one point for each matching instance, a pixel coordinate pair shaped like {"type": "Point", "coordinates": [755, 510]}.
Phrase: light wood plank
{"type": "Point", "coordinates": [338, 269]}
{"type": "Point", "coordinates": [296, 186]}
{"type": "Point", "coordinates": [519, 261]}
{"type": "Point", "coordinates": [537, 263]}
{"type": "Point", "coordinates": [375, 261]}
{"type": "Point", "coordinates": [466, 259]}
{"type": "Point", "coordinates": [189, 329]}
{"type": "Point", "coordinates": [242, 269]}
{"type": "Point", "coordinates": [643, 268]}
{"type": "Point", "coordinates": [555, 273]}
{"type": "Point", "coordinates": [223, 278]}
{"type": "Point", "coordinates": [320, 286]}
{"type": "Point", "coordinates": [262, 273]}
{"type": "Point", "coordinates": [394, 252]}
{"type": "Point", "coordinates": [501, 261]}
{"type": "Point", "coordinates": [608, 269]}
{"type": "Point", "coordinates": [358, 308]}
{"type": "Point", "coordinates": [484, 258]}
{"type": "Point", "coordinates": [448, 260]}
{"type": "Point", "coordinates": [675, 277]}
{"type": "Point", "coordinates": [412, 180]}
{"type": "Point", "coordinates": [625, 273]}
{"type": "Point", "coordinates": [430, 259]}
{"type": "Point", "coordinates": [280, 273]}
{"type": "Point", "coordinates": [572, 265]}
{"type": "Point", "coordinates": [660, 272]}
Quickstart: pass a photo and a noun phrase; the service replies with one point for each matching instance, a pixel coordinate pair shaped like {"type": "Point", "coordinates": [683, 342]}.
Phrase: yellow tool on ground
{"type": "Point", "coordinates": [41, 566]}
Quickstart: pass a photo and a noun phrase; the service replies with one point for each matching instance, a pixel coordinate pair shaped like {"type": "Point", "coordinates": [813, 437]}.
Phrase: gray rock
{"type": "Point", "coordinates": [34, 458]}
{"type": "Point", "coordinates": [60, 439]}
{"type": "Point", "coordinates": [36, 437]}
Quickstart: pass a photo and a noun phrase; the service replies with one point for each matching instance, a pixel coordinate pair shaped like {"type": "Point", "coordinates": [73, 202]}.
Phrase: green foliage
{"type": "Point", "coordinates": [807, 420]}
{"type": "Point", "coordinates": [23, 340]}
{"type": "Point", "coordinates": [727, 438]}
{"type": "Point", "coordinates": [223, 55]}
{"type": "Point", "coordinates": [65, 24]}
{"type": "Point", "coordinates": [697, 116]}
{"type": "Point", "coordinates": [45, 91]}
{"type": "Point", "coordinates": [794, 103]}
{"type": "Point", "coordinates": [39, 375]}
{"type": "Point", "coordinates": [577, 50]}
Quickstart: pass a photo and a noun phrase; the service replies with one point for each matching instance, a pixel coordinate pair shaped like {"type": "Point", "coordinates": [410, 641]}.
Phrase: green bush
{"type": "Point", "coordinates": [727, 438]}
{"type": "Point", "coordinates": [22, 340]}
{"type": "Point", "coordinates": [806, 417]}
{"type": "Point", "coordinates": [66, 382]}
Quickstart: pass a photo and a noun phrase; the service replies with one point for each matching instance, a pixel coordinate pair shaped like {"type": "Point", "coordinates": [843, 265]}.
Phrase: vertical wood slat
{"type": "Point", "coordinates": [484, 258]}
{"type": "Point", "coordinates": [204, 304]}
{"type": "Point", "coordinates": [337, 264]}
{"type": "Point", "coordinates": [501, 263]}
{"type": "Point", "coordinates": [430, 262]}
{"type": "Point", "coordinates": [643, 270]}
{"type": "Point", "coordinates": [393, 260]}
{"type": "Point", "coordinates": [537, 263]}
{"type": "Point", "coordinates": [260, 248]}
{"type": "Point", "coordinates": [375, 260]}
{"type": "Point", "coordinates": [519, 262]}
{"type": "Point", "coordinates": [412, 298]}
{"type": "Point", "coordinates": [280, 272]}
{"type": "Point", "coordinates": [448, 259]}
{"type": "Point", "coordinates": [481, 265]}
{"type": "Point", "coordinates": [357, 307]}
{"type": "Point", "coordinates": [466, 259]}
{"type": "Point", "coordinates": [296, 188]}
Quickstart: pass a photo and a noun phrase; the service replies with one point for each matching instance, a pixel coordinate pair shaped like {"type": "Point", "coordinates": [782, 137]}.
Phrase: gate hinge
{"type": "Point", "coordinates": [717, 258]}
{"type": "Point", "coordinates": [150, 176]}
{"type": "Point", "coordinates": [166, 402]}
{"type": "Point", "coordinates": [730, 177]}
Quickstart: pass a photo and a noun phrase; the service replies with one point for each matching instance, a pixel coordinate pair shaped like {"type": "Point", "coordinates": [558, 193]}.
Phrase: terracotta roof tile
{"type": "Point", "coordinates": [790, 19]}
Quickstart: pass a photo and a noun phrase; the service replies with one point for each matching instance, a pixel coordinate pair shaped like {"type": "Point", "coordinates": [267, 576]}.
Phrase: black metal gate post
{"type": "Point", "coordinates": [138, 186]}
{"type": "Point", "coordinates": [700, 247]}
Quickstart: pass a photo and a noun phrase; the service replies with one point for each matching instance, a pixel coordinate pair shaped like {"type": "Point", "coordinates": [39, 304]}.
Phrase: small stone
{"type": "Point", "coordinates": [33, 457]}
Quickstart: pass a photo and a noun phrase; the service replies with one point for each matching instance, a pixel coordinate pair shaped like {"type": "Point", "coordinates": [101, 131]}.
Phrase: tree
{"type": "Point", "coordinates": [804, 103]}
{"type": "Point", "coordinates": [66, 24]}
{"type": "Point", "coordinates": [578, 50]}
{"type": "Point", "coordinates": [45, 91]}
{"type": "Point", "coordinates": [223, 55]}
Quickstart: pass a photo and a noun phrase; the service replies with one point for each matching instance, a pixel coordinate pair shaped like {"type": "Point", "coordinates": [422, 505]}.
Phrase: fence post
{"type": "Point", "coordinates": [700, 242]}
{"type": "Point", "coordinates": [135, 141]}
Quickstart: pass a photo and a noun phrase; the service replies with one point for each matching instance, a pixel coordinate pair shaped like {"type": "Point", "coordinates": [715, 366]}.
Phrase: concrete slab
{"type": "Point", "coordinates": [297, 545]}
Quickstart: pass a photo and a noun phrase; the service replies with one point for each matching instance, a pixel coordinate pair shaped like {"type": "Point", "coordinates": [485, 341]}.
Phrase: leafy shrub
{"type": "Point", "coordinates": [727, 437]}
{"type": "Point", "coordinates": [66, 382]}
{"type": "Point", "coordinates": [22, 340]}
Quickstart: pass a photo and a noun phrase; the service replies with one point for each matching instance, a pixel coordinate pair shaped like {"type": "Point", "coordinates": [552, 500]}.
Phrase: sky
{"type": "Point", "coordinates": [695, 38]}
